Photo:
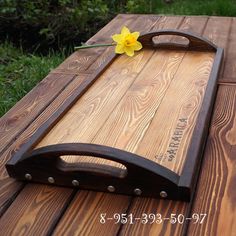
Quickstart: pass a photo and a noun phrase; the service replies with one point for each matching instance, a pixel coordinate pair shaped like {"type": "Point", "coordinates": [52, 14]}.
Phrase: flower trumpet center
{"type": "Point", "coordinates": [129, 40]}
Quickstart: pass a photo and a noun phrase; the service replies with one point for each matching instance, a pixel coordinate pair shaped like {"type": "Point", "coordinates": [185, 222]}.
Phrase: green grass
{"type": "Point", "coordinates": [184, 7]}
{"type": "Point", "coordinates": [198, 7]}
{"type": "Point", "coordinates": [20, 72]}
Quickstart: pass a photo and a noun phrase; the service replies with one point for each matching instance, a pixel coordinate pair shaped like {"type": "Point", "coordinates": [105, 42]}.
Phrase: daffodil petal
{"type": "Point", "coordinates": [135, 35]}
{"type": "Point", "coordinates": [125, 31]}
{"type": "Point", "coordinates": [127, 42]}
{"type": "Point", "coordinates": [119, 49]}
{"type": "Point", "coordinates": [137, 46]}
{"type": "Point", "coordinates": [117, 38]}
{"type": "Point", "coordinates": [129, 51]}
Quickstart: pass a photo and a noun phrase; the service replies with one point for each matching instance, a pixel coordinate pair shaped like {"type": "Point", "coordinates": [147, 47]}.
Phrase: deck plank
{"type": "Point", "coordinates": [88, 208]}
{"type": "Point", "coordinates": [8, 186]}
{"type": "Point", "coordinates": [34, 214]}
{"type": "Point", "coordinates": [230, 58]}
{"type": "Point", "coordinates": [216, 193]}
{"type": "Point", "coordinates": [29, 107]}
{"type": "Point", "coordinates": [218, 31]}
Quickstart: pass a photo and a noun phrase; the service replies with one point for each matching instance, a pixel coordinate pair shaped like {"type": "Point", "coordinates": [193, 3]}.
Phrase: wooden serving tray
{"type": "Point", "coordinates": [137, 126]}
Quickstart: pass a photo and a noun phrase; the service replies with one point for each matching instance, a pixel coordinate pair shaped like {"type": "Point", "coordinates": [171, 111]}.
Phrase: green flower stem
{"type": "Point", "coordinates": [93, 46]}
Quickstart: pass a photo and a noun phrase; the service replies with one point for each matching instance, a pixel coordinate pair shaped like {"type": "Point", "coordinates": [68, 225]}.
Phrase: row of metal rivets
{"type": "Point", "coordinates": [51, 180]}
{"type": "Point", "coordinates": [137, 191]}
{"type": "Point", "coordinates": [110, 188]}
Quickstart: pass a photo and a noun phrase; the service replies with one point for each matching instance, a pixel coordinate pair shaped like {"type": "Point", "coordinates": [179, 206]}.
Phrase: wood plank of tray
{"type": "Point", "coordinates": [148, 105]}
{"type": "Point", "coordinates": [84, 121]}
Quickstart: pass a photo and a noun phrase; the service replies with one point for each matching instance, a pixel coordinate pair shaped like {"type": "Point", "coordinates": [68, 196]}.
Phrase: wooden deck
{"type": "Point", "coordinates": [32, 209]}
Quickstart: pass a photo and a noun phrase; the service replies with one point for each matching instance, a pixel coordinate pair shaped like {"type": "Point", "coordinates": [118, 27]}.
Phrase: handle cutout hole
{"type": "Point", "coordinates": [162, 40]}
{"type": "Point", "coordinates": [93, 165]}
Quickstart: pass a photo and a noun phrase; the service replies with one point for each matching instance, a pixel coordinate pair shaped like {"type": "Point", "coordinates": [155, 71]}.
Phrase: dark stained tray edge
{"type": "Point", "coordinates": [178, 190]}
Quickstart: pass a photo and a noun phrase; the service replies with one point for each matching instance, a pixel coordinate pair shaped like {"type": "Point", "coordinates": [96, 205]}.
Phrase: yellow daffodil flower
{"type": "Point", "coordinates": [127, 42]}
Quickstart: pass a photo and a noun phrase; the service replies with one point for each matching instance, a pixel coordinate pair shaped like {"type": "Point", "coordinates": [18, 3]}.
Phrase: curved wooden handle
{"type": "Point", "coordinates": [134, 163]}
{"type": "Point", "coordinates": [43, 165]}
{"type": "Point", "coordinates": [195, 42]}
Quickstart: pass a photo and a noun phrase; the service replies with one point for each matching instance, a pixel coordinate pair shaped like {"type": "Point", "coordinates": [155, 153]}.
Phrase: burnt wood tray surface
{"type": "Point", "coordinates": [136, 126]}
